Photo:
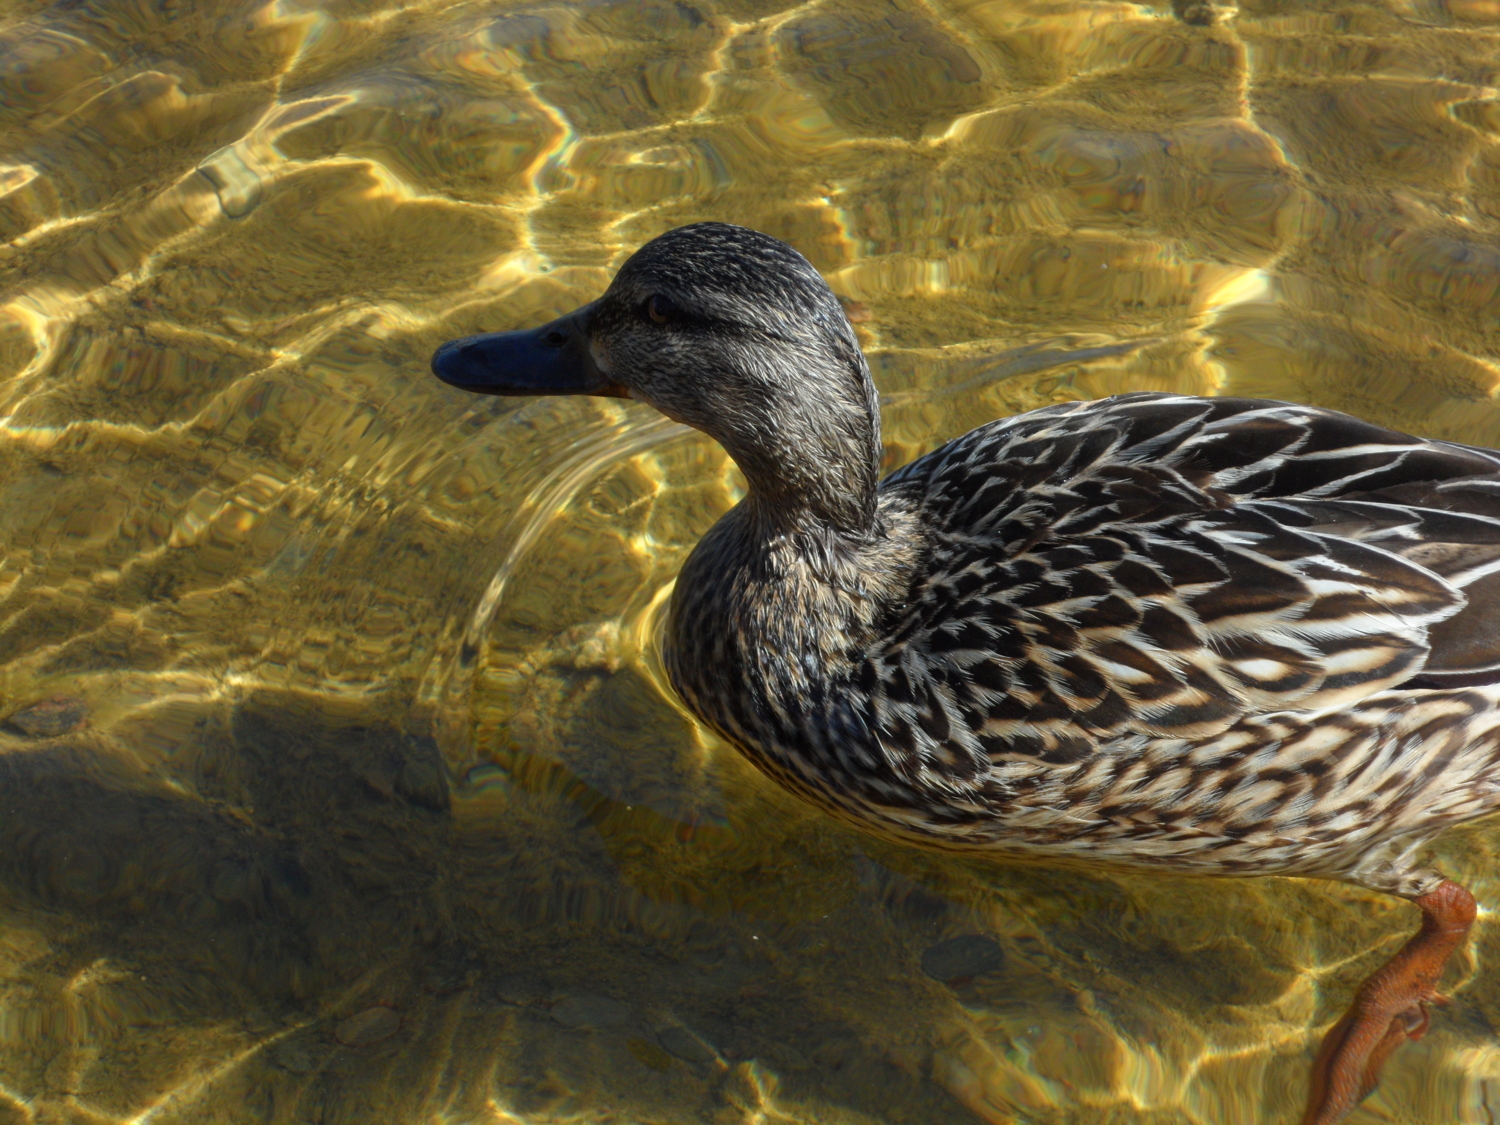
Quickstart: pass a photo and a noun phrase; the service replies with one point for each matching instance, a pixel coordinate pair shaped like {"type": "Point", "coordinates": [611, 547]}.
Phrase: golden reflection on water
{"type": "Point", "coordinates": [339, 782]}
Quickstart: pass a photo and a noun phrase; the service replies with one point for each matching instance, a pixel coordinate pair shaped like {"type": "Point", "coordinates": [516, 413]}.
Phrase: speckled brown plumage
{"type": "Point", "coordinates": [1221, 636]}
{"type": "Point", "coordinates": [1194, 633]}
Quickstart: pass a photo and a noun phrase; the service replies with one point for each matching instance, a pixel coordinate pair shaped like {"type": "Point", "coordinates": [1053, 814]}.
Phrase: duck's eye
{"type": "Point", "coordinates": [660, 310]}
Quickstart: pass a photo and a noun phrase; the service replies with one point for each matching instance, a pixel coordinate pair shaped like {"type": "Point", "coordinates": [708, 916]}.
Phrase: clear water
{"type": "Point", "coordinates": [339, 782]}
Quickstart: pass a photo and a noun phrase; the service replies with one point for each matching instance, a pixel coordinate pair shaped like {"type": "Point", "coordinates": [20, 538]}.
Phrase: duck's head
{"type": "Point", "coordinates": [732, 332]}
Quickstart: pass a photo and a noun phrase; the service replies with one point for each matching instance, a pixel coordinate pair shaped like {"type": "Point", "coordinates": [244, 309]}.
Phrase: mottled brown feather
{"type": "Point", "coordinates": [1152, 629]}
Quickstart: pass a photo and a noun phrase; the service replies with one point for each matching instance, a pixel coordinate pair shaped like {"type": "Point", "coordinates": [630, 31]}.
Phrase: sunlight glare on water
{"type": "Point", "coordinates": [338, 778]}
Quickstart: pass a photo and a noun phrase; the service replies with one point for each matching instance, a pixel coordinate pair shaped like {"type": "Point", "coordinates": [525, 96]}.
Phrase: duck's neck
{"type": "Point", "coordinates": [812, 472]}
{"type": "Point", "coordinates": [849, 575]}
{"type": "Point", "coordinates": [772, 609]}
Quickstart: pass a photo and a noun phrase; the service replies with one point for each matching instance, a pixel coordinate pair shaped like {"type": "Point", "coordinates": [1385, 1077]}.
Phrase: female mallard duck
{"type": "Point", "coordinates": [1219, 636]}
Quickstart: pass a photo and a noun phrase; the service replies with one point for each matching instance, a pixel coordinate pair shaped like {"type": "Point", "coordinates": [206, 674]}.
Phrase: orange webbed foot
{"type": "Point", "coordinates": [1389, 1009]}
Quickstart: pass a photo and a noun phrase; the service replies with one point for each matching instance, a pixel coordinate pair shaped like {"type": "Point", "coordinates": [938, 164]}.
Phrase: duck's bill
{"type": "Point", "coordinates": [554, 359]}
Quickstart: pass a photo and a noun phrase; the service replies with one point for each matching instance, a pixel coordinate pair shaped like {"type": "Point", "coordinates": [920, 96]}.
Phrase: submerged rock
{"type": "Point", "coordinates": [370, 1026]}
{"type": "Point", "coordinates": [448, 975]}
{"type": "Point", "coordinates": [686, 1044]}
{"type": "Point", "coordinates": [587, 1011]}
{"type": "Point", "coordinates": [521, 989]}
{"type": "Point", "coordinates": [962, 957]}
{"type": "Point", "coordinates": [649, 1054]}
{"type": "Point", "coordinates": [49, 718]}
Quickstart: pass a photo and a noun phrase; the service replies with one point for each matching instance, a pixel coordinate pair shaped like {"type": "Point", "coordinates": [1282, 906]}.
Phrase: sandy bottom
{"type": "Point", "coordinates": [337, 778]}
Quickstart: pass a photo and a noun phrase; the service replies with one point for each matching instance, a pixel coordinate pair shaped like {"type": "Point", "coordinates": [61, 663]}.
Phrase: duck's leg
{"type": "Point", "coordinates": [1389, 1008]}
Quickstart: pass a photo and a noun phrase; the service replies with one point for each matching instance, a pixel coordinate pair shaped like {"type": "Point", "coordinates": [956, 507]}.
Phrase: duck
{"type": "Point", "coordinates": [1206, 635]}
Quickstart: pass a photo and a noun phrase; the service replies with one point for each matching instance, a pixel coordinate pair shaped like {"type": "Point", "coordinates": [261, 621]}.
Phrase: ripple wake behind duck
{"type": "Point", "coordinates": [1222, 636]}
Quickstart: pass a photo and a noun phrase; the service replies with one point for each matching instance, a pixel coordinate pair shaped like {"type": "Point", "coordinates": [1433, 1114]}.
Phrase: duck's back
{"type": "Point", "coordinates": [1107, 586]}
{"type": "Point", "coordinates": [1166, 564]}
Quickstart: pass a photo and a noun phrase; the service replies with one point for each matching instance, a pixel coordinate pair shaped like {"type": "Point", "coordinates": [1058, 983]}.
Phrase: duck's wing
{"type": "Point", "coordinates": [1165, 566]}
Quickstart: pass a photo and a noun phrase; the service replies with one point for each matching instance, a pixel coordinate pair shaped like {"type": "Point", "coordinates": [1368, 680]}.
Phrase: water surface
{"type": "Point", "coordinates": [338, 780]}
